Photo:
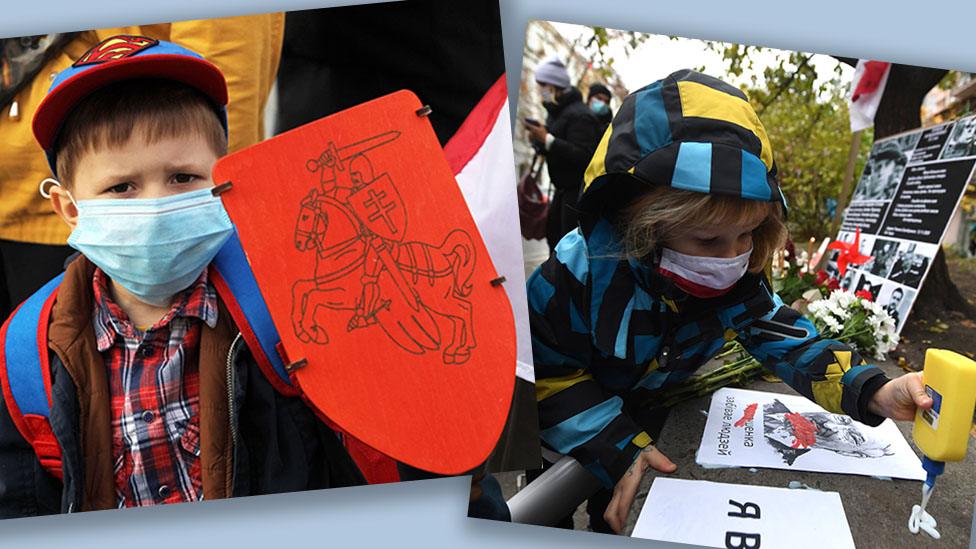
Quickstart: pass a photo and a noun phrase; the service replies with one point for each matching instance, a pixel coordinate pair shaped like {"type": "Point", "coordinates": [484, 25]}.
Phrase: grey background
{"type": "Point", "coordinates": [431, 513]}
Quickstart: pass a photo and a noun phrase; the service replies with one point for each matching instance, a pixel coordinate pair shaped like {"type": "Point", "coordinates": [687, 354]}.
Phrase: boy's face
{"type": "Point", "coordinates": [725, 241]}
{"type": "Point", "coordinates": [138, 169]}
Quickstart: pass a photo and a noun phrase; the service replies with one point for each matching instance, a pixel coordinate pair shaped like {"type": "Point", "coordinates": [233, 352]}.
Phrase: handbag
{"type": "Point", "coordinates": [533, 204]}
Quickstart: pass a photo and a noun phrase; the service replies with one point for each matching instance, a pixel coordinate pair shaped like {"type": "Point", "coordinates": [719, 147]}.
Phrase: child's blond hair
{"type": "Point", "coordinates": [664, 213]}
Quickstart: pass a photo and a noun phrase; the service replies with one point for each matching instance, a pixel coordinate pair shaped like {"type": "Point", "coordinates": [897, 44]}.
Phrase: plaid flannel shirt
{"type": "Point", "coordinates": [154, 381]}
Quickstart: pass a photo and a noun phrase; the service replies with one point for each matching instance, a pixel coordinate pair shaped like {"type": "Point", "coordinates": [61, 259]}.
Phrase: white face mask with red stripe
{"type": "Point", "coordinates": [703, 276]}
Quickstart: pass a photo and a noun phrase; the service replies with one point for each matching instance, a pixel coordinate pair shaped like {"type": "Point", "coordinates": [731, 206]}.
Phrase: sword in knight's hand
{"type": "Point", "coordinates": [406, 290]}
{"type": "Point", "coordinates": [368, 144]}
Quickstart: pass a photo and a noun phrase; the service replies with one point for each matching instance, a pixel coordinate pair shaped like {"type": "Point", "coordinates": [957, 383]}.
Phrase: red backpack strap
{"type": "Point", "coordinates": [25, 374]}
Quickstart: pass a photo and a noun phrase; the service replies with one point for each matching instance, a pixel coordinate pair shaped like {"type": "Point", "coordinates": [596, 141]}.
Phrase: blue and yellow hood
{"type": "Point", "coordinates": [690, 131]}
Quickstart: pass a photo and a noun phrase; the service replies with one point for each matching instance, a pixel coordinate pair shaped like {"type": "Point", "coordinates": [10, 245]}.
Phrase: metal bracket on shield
{"type": "Point", "coordinates": [222, 188]}
{"type": "Point", "coordinates": [297, 365]}
{"type": "Point", "coordinates": [424, 111]}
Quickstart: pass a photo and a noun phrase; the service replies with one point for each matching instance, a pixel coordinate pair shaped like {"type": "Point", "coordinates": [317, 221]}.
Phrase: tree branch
{"type": "Point", "coordinates": [779, 91]}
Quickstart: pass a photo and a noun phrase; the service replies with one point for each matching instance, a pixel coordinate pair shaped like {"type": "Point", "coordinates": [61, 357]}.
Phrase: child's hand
{"type": "Point", "coordinates": [899, 398]}
{"type": "Point", "coordinates": [626, 489]}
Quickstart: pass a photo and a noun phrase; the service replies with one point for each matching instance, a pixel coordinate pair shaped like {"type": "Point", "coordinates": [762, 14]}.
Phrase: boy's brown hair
{"type": "Point", "coordinates": [664, 213]}
{"type": "Point", "coordinates": [156, 108]}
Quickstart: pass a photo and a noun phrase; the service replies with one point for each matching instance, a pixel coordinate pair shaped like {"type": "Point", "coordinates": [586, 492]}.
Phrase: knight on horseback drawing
{"type": "Point", "coordinates": [356, 223]}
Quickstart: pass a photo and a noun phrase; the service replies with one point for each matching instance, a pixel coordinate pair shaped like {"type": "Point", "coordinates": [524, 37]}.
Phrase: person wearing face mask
{"type": "Point", "coordinates": [154, 393]}
{"type": "Point", "coordinates": [32, 237]}
{"type": "Point", "coordinates": [680, 213]}
{"type": "Point", "coordinates": [567, 140]}
{"type": "Point", "coordinates": [599, 102]}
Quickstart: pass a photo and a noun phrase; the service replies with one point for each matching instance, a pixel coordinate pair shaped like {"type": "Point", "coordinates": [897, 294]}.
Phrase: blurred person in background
{"type": "Point", "coordinates": [599, 103]}
{"type": "Point", "coordinates": [567, 139]}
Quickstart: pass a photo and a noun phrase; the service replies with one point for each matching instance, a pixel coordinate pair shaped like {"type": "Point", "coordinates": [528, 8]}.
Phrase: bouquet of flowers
{"type": "Point", "coordinates": [855, 320]}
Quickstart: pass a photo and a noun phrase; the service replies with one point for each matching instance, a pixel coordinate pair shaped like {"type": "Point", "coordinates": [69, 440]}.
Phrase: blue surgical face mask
{"type": "Point", "coordinates": [599, 107]}
{"type": "Point", "coordinates": [153, 247]}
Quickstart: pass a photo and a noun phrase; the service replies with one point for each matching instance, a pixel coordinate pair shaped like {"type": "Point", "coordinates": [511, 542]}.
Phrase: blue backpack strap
{"type": "Point", "coordinates": [239, 290]}
{"type": "Point", "coordinates": [25, 375]}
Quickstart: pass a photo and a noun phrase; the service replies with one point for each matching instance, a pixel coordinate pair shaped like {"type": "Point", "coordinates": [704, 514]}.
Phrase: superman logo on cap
{"type": "Point", "coordinates": [116, 47]}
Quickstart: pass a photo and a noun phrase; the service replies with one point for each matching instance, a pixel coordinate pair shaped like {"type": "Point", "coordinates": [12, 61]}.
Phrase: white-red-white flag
{"type": "Point", "coordinates": [480, 153]}
{"type": "Point", "coordinates": [870, 78]}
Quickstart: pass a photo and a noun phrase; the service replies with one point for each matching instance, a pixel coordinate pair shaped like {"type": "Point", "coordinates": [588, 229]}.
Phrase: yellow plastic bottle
{"type": "Point", "coordinates": [942, 432]}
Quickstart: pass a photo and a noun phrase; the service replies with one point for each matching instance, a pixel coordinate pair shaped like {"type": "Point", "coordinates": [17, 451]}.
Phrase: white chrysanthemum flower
{"type": "Point", "coordinates": [831, 314]}
{"type": "Point", "coordinates": [843, 298]}
{"type": "Point", "coordinates": [835, 326]}
{"type": "Point", "coordinates": [816, 308]}
{"type": "Point", "coordinates": [839, 311]}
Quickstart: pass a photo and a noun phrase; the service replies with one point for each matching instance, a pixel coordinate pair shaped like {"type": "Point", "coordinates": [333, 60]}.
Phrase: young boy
{"type": "Point", "coordinates": [681, 212]}
{"type": "Point", "coordinates": [155, 397]}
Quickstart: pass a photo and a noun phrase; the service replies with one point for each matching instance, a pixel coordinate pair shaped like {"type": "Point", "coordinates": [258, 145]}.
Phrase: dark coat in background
{"type": "Point", "coordinates": [577, 132]}
{"type": "Point", "coordinates": [448, 53]}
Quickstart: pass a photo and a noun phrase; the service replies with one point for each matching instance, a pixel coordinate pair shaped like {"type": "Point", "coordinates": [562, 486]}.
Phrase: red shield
{"type": "Point", "coordinates": [375, 273]}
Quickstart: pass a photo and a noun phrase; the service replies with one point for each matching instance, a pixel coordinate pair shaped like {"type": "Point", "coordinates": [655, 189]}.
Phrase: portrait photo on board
{"type": "Point", "coordinates": [883, 253]}
{"type": "Point", "coordinates": [962, 140]}
{"type": "Point", "coordinates": [909, 265]}
{"type": "Point", "coordinates": [897, 301]}
{"type": "Point", "coordinates": [870, 284]}
{"type": "Point", "coordinates": [883, 171]}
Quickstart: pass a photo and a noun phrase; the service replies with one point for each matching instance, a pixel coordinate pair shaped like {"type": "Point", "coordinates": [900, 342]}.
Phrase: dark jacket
{"type": "Point", "coordinates": [605, 118]}
{"type": "Point", "coordinates": [448, 53]}
{"type": "Point", "coordinates": [253, 440]}
{"type": "Point", "coordinates": [576, 131]}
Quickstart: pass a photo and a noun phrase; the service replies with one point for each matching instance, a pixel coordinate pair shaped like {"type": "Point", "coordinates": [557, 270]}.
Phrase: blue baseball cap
{"type": "Point", "coordinates": [118, 58]}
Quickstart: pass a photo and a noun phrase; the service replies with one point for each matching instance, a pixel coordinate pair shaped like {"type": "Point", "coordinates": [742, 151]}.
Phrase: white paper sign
{"type": "Point", "coordinates": [757, 429]}
{"type": "Point", "coordinates": [713, 514]}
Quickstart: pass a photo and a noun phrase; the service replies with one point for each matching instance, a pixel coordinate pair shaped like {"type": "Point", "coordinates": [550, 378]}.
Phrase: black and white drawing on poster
{"type": "Point", "coordinates": [962, 141]}
{"type": "Point", "coordinates": [714, 514]}
{"type": "Point", "coordinates": [793, 434]}
{"type": "Point", "coordinates": [757, 429]}
{"type": "Point", "coordinates": [910, 188]}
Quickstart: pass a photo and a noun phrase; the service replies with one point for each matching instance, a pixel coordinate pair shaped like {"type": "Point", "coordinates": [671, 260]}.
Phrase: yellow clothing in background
{"type": "Point", "coordinates": [247, 49]}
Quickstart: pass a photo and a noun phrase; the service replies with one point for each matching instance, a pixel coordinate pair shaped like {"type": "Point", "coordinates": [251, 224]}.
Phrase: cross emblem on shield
{"type": "Point", "coordinates": [380, 208]}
